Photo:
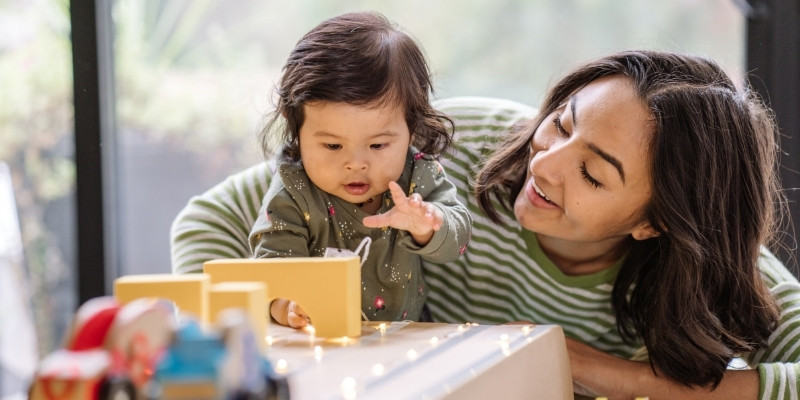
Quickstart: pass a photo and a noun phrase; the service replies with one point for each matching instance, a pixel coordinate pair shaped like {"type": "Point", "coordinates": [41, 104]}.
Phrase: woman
{"type": "Point", "coordinates": [631, 210]}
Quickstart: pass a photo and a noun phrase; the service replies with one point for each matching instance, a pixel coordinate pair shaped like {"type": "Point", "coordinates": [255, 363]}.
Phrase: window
{"type": "Point", "coordinates": [193, 79]}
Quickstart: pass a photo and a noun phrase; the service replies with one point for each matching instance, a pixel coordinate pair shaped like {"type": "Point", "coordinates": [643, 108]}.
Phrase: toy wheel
{"type": "Point", "coordinates": [115, 388]}
{"type": "Point", "coordinates": [277, 388]}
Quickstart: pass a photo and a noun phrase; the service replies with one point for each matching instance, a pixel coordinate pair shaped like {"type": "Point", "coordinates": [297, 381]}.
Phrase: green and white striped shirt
{"type": "Point", "coordinates": [503, 276]}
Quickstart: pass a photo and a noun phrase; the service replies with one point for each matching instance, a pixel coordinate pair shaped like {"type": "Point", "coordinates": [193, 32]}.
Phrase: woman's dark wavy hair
{"type": "Point", "coordinates": [693, 294]}
{"type": "Point", "coordinates": [361, 59]}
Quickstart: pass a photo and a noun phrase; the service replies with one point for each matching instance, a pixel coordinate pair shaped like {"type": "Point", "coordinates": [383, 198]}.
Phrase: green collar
{"type": "Point", "coordinates": [583, 281]}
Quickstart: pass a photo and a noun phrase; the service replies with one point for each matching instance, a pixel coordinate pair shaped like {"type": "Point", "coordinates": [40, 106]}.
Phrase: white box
{"type": "Point", "coordinates": [408, 360]}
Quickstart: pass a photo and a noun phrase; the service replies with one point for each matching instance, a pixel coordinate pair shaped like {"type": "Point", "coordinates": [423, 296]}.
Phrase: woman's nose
{"type": "Point", "coordinates": [550, 163]}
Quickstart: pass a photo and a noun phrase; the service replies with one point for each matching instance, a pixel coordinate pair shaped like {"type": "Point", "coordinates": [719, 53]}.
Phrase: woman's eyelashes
{"type": "Point", "coordinates": [588, 178]}
{"type": "Point", "coordinates": [559, 127]}
{"type": "Point", "coordinates": [584, 172]}
{"type": "Point", "coordinates": [332, 146]}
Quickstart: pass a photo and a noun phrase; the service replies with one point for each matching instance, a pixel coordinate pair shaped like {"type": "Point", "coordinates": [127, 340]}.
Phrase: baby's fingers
{"type": "Point", "coordinates": [398, 196]}
{"type": "Point", "coordinates": [296, 316]}
{"type": "Point", "coordinates": [377, 221]}
{"type": "Point", "coordinates": [433, 216]}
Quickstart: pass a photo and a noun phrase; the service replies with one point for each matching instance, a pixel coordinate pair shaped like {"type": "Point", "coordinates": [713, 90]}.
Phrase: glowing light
{"type": "Point", "coordinates": [378, 369]}
{"type": "Point", "coordinates": [348, 388]}
{"type": "Point", "coordinates": [505, 349]}
{"type": "Point", "coordinates": [270, 340]}
{"type": "Point", "coordinates": [281, 366]}
{"type": "Point", "coordinates": [434, 341]}
{"type": "Point", "coordinates": [382, 328]}
{"type": "Point", "coordinates": [318, 353]}
{"type": "Point", "coordinates": [526, 330]}
{"type": "Point", "coordinates": [504, 338]}
{"type": "Point", "coordinates": [412, 354]}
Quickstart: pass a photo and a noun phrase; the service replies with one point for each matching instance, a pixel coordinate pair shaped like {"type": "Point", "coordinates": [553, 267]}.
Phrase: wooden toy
{"type": "Point", "coordinates": [328, 289]}
{"type": "Point", "coordinates": [248, 296]}
{"type": "Point", "coordinates": [189, 292]}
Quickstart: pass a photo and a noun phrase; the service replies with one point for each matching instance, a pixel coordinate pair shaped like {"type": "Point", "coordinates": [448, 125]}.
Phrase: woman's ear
{"type": "Point", "coordinates": [644, 231]}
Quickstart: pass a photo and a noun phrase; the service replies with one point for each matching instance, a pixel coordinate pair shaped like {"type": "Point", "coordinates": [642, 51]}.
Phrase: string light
{"type": "Point", "coordinates": [526, 330]}
{"type": "Point", "coordinates": [281, 366]}
{"type": "Point", "coordinates": [348, 388]}
{"type": "Point", "coordinates": [318, 353]}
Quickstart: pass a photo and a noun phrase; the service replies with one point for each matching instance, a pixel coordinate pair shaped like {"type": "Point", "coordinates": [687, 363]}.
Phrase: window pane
{"type": "Point", "coordinates": [36, 132]}
{"type": "Point", "coordinates": [193, 78]}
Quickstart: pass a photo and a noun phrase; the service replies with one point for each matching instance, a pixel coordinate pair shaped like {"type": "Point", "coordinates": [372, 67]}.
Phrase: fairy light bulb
{"type": "Point", "coordinates": [318, 353]}
{"type": "Point", "coordinates": [281, 366]}
{"type": "Point", "coordinates": [348, 388]}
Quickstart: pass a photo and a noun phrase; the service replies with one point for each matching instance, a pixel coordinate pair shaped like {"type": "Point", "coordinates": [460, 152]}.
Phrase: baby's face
{"type": "Point", "coordinates": [353, 152]}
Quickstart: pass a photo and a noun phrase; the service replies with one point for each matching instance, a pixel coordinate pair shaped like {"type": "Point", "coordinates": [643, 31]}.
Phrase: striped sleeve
{"type": "Point", "coordinates": [778, 364]}
{"type": "Point", "coordinates": [472, 288]}
{"type": "Point", "coordinates": [216, 224]}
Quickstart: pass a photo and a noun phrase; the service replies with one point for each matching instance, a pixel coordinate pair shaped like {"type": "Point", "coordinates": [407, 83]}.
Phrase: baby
{"type": "Point", "coordinates": [354, 140]}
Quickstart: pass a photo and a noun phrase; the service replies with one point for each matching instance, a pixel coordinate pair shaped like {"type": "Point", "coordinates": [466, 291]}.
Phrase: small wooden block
{"type": "Point", "coordinates": [249, 296]}
{"type": "Point", "coordinates": [189, 292]}
{"type": "Point", "coordinates": [328, 289]}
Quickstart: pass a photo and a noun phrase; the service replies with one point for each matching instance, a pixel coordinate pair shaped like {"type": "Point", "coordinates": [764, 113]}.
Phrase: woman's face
{"type": "Point", "coordinates": [589, 171]}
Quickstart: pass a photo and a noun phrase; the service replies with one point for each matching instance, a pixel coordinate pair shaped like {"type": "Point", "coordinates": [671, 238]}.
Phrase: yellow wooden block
{"type": "Point", "coordinates": [329, 289]}
{"type": "Point", "coordinates": [189, 292]}
{"type": "Point", "coordinates": [250, 296]}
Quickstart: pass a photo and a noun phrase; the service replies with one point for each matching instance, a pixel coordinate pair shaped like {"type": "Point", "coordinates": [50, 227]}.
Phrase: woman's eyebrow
{"type": "Point", "coordinates": [611, 160]}
{"type": "Point", "coordinates": [605, 156]}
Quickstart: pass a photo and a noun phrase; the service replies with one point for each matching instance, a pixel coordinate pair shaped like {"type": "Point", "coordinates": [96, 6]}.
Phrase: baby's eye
{"type": "Point", "coordinates": [332, 146]}
{"type": "Point", "coordinates": [378, 146]}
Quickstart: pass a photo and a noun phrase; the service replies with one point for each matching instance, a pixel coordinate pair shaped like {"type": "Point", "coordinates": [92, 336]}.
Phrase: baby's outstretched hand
{"type": "Point", "coordinates": [288, 313]}
{"type": "Point", "coordinates": [410, 214]}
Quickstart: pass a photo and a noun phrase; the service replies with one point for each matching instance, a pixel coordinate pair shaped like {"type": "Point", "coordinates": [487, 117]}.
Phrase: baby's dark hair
{"type": "Point", "coordinates": [360, 59]}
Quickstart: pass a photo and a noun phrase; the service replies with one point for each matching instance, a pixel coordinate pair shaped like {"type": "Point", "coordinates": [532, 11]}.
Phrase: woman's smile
{"type": "Point", "coordinates": [536, 197]}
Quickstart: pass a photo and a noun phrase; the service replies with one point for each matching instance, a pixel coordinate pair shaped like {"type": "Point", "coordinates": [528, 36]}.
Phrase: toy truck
{"type": "Point", "coordinates": [109, 351]}
{"type": "Point", "coordinates": [220, 363]}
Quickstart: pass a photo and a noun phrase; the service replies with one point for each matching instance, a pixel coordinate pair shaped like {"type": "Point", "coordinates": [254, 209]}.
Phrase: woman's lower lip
{"type": "Point", "coordinates": [356, 190]}
{"type": "Point", "coordinates": [535, 199]}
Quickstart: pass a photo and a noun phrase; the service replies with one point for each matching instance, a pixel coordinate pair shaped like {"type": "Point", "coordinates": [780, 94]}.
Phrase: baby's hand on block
{"type": "Point", "coordinates": [288, 313]}
{"type": "Point", "coordinates": [410, 214]}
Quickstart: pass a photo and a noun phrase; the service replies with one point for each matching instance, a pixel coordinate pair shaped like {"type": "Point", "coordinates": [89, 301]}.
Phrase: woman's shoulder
{"type": "Point", "coordinates": [476, 110]}
{"type": "Point", "coordinates": [481, 122]}
{"type": "Point", "coordinates": [773, 271]}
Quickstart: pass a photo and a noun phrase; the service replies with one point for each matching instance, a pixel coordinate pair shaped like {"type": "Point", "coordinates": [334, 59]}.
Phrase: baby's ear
{"type": "Point", "coordinates": [644, 231]}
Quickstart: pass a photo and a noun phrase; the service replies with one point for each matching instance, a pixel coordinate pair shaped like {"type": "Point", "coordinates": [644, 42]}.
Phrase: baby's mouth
{"type": "Point", "coordinates": [356, 188]}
